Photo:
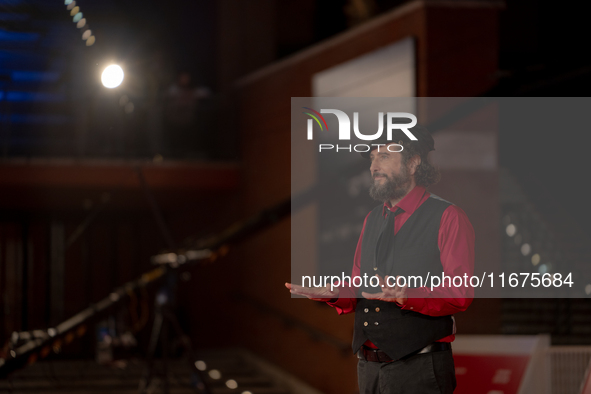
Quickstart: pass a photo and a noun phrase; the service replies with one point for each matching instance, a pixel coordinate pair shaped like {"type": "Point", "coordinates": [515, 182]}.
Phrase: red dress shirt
{"type": "Point", "coordinates": [456, 246]}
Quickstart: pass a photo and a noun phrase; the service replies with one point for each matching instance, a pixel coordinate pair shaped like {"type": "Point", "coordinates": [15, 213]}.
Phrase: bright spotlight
{"type": "Point", "coordinates": [112, 76]}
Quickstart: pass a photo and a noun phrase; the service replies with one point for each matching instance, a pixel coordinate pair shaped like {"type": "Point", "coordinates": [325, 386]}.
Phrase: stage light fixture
{"type": "Point", "coordinates": [77, 17]}
{"type": "Point", "coordinates": [86, 35]}
{"type": "Point", "coordinates": [68, 2]}
{"type": "Point", "coordinates": [90, 41]}
{"type": "Point", "coordinates": [74, 11]}
{"type": "Point", "coordinates": [81, 23]}
{"type": "Point", "coordinates": [71, 5]}
{"type": "Point", "coordinates": [112, 75]}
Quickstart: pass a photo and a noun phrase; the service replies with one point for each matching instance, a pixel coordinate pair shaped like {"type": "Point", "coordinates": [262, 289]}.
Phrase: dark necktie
{"type": "Point", "coordinates": [385, 241]}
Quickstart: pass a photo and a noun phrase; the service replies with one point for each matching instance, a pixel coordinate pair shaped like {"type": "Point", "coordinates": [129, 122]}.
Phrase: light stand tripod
{"type": "Point", "coordinates": [164, 319]}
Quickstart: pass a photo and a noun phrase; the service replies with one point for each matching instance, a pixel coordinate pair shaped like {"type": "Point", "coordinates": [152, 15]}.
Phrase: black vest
{"type": "Point", "coordinates": [415, 251]}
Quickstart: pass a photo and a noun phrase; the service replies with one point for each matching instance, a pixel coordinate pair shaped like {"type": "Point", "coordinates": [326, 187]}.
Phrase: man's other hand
{"type": "Point", "coordinates": [314, 293]}
{"type": "Point", "coordinates": [389, 293]}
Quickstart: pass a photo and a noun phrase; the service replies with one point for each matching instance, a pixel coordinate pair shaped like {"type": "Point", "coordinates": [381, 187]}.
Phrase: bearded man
{"type": "Point", "coordinates": [403, 334]}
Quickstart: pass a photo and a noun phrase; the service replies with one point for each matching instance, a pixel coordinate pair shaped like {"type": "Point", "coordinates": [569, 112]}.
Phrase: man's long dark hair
{"type": "Point", "coordinates": [426, 174]}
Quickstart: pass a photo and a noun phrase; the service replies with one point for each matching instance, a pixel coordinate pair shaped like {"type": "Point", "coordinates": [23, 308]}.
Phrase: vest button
{"type": "Point", "coordinates": [376, 323]}
{"type": "Point", "coordinates": [377, 309]}
{"type": "Point", "coordinates": [375, 268]}
{"type": "Point", "coordinates": [366, 310]}
{"type": "Point", "coordinates": [365, 324]}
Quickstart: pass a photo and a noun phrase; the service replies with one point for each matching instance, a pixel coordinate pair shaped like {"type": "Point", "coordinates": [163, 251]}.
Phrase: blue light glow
{"type": "Point", "coordinates": [18, 36]}
{"type": "Point", "coordinates": [34, 76]}
{"type": "Point", "coordinates": [39, 97]}
{"type": "Point", "coordinates": [14, 17]}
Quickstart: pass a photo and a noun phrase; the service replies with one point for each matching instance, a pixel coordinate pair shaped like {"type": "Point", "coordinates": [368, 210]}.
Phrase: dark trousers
{"type": "Point", "coordinates": [426, 373]}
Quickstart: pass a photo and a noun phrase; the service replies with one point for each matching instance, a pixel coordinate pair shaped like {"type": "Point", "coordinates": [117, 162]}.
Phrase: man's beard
{"type": "Point", "coordinates": [395, 187]}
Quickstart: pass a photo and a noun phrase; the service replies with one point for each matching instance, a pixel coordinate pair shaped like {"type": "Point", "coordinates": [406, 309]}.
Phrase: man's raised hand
{"type": "Point", "coordinates": [314, 293]}
{"type": "Point", "coordinates": [389, 293]}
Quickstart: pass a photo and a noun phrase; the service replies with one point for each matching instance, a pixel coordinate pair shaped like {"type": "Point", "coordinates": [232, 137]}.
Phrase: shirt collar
{"type": "Point", "coordinates": [409, 203]}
